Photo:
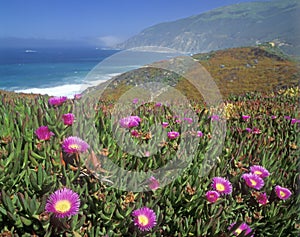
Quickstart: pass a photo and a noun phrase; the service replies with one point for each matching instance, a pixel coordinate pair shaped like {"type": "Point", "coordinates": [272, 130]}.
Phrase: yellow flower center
{"type": "Point", "coordinates": [238, 231]}
{"type": "Point", "coordinates": [258, 172]}
{"type": "Point", "coordinates": [74, 146]}
{"type": "Point", "coordinates": [282, 194]}
{"type": "Point", "coordinates": [62, 206]}
{"type": "Point", "coordinates": [143, 220]}
{"type": "Point", "coordinates": [253, 182]}
{"type": "Point", "coordinates": [220, 187]}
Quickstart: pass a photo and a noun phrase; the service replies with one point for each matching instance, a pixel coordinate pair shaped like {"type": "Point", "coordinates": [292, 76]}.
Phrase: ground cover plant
{"type": "Point", "coordinates": [53, 184]}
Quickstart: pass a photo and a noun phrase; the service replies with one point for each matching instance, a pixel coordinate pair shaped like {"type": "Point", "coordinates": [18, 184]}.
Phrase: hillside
{"type": "Point", "coordinates": [235, 71]}
{"type": "Point", "coordinates": [227, 27]}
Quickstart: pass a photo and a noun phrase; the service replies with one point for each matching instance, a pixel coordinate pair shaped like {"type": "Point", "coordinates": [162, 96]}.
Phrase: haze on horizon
{"type": "Point", "coordinates": [95, 23]}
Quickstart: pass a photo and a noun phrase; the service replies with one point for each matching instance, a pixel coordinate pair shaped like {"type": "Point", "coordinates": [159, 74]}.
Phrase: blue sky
{"type": "Point", "coordinates": [94, 21]}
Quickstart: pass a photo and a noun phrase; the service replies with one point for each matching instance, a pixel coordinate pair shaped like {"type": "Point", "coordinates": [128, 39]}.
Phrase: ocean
{"type": "Point", "coordinates": [66, 71]}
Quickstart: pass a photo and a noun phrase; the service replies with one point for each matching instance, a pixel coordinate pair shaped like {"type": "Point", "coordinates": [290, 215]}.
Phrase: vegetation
{"type": "Point", "coordinates": [32, 169]}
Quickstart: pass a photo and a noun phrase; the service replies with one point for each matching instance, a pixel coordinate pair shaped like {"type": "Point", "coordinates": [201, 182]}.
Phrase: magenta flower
{"type": "Point", "coordinates": [189, 120]}
{"type": "Point", "coordinates": [249, 130]}
{"type": "Point", "coordinates": [74, 145]}
{"type": "Point", "coordinates": [135, 133]}
{"type": "Point", "coordinates": [153, 183]}
{"type": "Point", "coordinates": [215, 118]}
{"type": "Point", "coordinates": [273, 117]}
{"type": "Point", "coordinates": [158, 104]}
{"type": "Point", "coordinates": [130, 121]}
{"type": "Point", "coordinates": [178, 121]}
{"type": "Point", "coordinates": [212, 196]}
{"type": "Point", "coordinates": [262, 199]}
{"type": "Point", "coordinates": [282, 193]}
{"type": "Point", "coordinates": [55, 101]}
{"type": "Point", "coordinates": [256, 131]}
{"type": "Point", "coordinates": [165, 124]}
{"type": "Point", "coordinates": [243, 228]}
{"type": "Point", "coordinates": [173, 135]}
{"type": "Point", "coordinates": [199, 134]}
{"type": "Point", "coordinates": [287, 117]}
{"type": "Point", "coordinates": [294, 121]}
{"type": "Point", "coordinates": [43, 133]}
{"type": "Point", "coordinates": [68, 118]}
{"type": "Point", "coordinates": [253, 181]}
{"type": "Point", "coordinates": [246, 117]}
{"type": "Point", "coordinates": [135, 100]}
{"type": "Point", "coordinates": [63, 203]}
{"type": "Point", "coordinates": [144, 218]}
{"type": "Point", "coordinates": [259, 171]}
{"type": "Point", "coordinates": [77, 96]}
{"type": "Point", "coordinates": [221, 185]}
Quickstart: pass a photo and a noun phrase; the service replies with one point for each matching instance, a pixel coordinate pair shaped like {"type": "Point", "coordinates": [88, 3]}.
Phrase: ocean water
{"type": "Point", "coordinates": [66, 71]}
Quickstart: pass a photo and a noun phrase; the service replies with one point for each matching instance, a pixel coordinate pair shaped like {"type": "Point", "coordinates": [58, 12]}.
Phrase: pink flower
{"type": "Point", "coordinates": [246, 117]}
{"type": "Point", "coordinates": [135, 100]}
{"type": "Point", "coordinates": [56, 101]}
{"type": "Point", "coordinates": [63, 203]}
{"type": "Point", "coordinates": [212, 196]}
{"type": "Point", "coordinates": [74, 145]}
{"type": "Point", "coordinates": [130, 121]}
{"type": "Point", "coordinates": [293, 121]}
{"type": "Point", "coordinates": [215, 118]}
{"type": "Point", "coordinates": [165, 124]}
{"type": "Point", "coordinates": [68, 118]}
{"type": "Point", "coordinates": [199, 134]}
{"type": "Point", "coordinates": [153, 183]}
{"type": "Point", "coordinates": [135, 133]}
{"type": "Point", "coordinates": [221, 185]}
{"type": "Point", "coordinates": [77, 96]}
{"type": "Point", "coordinates": [262, 199]}
{"type": "Point", "coordinates": [144, 218]}
{"type": "Point", "coordinates": [243, 229]}
{"type": "Point", "coordinates": [43, 133]}
{"type": "Point", "coordinates": [253, 181]}
{"type": "Point", "coordinates": [189, 120]}
{"type": "Point", "coordinates": [173, 135]}
{"type": "Point", "coordinates": [282, 193]}
{"type": "Point", "coordinates": [256, 131]}
{"type": "Point", "coordinates": [260, 171]}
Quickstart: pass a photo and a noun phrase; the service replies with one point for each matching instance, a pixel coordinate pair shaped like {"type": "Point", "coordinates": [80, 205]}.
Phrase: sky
{"type": "Point", "coordinates": [98, 22]}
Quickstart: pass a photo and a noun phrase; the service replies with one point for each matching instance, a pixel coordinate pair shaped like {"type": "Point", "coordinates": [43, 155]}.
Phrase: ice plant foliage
{"type": "Point", "coordinates": [130, 121]}
{"type": "Point", "coordinates": [259, 171]}
{"type": "Point", "coordinates": [144, 218]}
{"type": "Point", "coordinates": [173, 135]}
{"type": "Point", "coordinates": [68, 118]}
{"type": "Point", "coordinates": [74, 145]}
{"type": "Point", "coordinates": [43, 133]}
{"type": "Point", "coordinates": [282, 193]}
{"type": "Point", "coordinates": [221, 185]}
{"type": "Point", "coordinates": [212, 196]}
{"type": "Point", "coordinates": [253, 181]}
{"type": "Point", "coordinates": [63, 203]}
{"type": "Point", "coordinates": [55, 101]}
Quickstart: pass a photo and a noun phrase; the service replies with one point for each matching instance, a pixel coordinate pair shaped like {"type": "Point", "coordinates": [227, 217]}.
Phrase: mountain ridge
{"type": "Point", "coordinates": [243, 24]}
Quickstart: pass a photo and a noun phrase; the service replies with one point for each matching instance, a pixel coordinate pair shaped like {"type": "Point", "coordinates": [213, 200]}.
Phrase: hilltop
{"type": "Point", "coordinates": [232, 26]}
{"type": "Point", "coordinates": [235, 71]}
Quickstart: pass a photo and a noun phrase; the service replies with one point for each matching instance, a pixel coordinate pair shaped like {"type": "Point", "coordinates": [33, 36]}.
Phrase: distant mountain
{"type": "Point", "coordinates": [244, 24]}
